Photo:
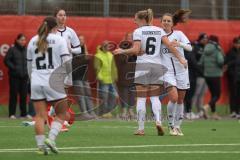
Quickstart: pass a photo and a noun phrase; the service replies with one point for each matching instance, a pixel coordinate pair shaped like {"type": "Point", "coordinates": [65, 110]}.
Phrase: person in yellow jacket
{"type": "Point", "coordinates": [106, 73]}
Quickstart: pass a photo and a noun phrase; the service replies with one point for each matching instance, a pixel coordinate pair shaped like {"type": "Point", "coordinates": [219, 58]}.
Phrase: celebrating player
{"type": "Point", "coordinates": [46, 52]}
{"type": "Point", "coordinates": [176, 78]}
{"type": "Point", "coordinates": [147, 41]}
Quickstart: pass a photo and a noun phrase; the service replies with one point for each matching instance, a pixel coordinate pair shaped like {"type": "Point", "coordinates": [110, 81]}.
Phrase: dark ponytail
{"type": "Point", "coordinates": [48, 24]}
{"type": "Point", "coordinates": [181, 16]}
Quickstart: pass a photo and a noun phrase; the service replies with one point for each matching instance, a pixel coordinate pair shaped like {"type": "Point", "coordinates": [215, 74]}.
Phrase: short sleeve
{"type": "Point", "coordinates": [74, 40]}
{"type": "Point", "coordinates": [163, 33]}
{"type": "Point", "coordinates": [137, 35]}
{"type": "Point", "coordinates": [183, 38]}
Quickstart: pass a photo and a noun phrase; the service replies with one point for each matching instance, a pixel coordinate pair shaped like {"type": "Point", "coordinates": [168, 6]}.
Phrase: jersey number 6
{"type": "Point", "coordinates": [150, 47]}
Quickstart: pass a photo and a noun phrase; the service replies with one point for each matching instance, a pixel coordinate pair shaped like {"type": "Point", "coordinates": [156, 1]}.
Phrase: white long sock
{"type": "Point", "coordinates": [40, 140]}
{"type": "Point", "coordinates": [179, 115]}
{"type": "Point", "coordinates": [156, 108]}
{"type": "Point", "coordinates": [141, 112]}
{"type": "Point", "coordinates": [171, 109]}
{"type": "Point", "coordinates": [55, 129]}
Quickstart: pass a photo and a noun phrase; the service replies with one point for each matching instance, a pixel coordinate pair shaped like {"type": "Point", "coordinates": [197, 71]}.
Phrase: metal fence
{"type": "Point", "coordinates": [202, 9]}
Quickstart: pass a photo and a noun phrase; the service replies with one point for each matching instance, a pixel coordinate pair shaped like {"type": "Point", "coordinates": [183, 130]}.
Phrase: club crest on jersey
{"type": "Point", "coordinates": [165, 51]}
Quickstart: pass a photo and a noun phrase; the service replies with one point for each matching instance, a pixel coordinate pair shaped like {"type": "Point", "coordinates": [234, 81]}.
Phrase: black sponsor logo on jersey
{"type": "Point", "coordinates": [151, 32]}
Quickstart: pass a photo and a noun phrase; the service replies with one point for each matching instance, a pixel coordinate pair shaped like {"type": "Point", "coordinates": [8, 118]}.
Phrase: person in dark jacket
{"type": "Point", "coordinates": [237, 82]}
{"type": "Point", "coordinates": [194, 70]}
{"type": "Point", "coordinates": [16, 62]}
{"type": "Point", "coordinates": [201, 86]}
{"type": "Point", "coordinates": [212, 61]}
{"type": "Point", "coordinates": [230, 65]}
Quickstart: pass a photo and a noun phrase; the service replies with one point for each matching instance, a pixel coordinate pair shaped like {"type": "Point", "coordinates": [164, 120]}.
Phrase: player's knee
{"type": "Point", "coordinates": [174, 99]}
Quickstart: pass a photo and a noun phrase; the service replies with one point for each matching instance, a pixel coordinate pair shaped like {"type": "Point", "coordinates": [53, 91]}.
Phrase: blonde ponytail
{"type": "Point", "coordinates": [42, 43]}
{"type": "Point", "coordinates": [46, 27]}
{"type": "Point", "coordinates": [147, 15]}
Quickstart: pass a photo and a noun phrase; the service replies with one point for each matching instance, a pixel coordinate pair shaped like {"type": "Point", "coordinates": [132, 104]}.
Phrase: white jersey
{"type": "Point", "coordinates": [176, 75]}
{"type": "Point", "coordinates": [46, 63]}
{"type": "Point", "coordinates": [70, 36]}
{"type": "Point", "coordinates": [150, 37]}
{"type": "Point", "coordinates": [178, 36]}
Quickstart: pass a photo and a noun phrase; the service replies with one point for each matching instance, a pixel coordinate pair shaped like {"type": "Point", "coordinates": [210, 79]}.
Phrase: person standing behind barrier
{"type": "Point", "coordinates": [81, 72]}
{"type": "Point", "coordinates": [194, 71]}
{"type": "Point", "coordinates": [201, 86]}
{"type": "Point", "coordinates": [16, 62]}
{"type": "Point", "coordinates": [106, 72]}
{"type": "Point", "coordinates": [212, 61]}
{"type": "Point", "coordinates": [230, 65]}
{"type": "Point", "coordinates": [125, 83]}
{"type": "Point", "coordinates": [237, 81]}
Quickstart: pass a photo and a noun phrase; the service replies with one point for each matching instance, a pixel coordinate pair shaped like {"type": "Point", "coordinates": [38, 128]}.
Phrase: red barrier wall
{"type": "Point", "coordinates": [98, 29]}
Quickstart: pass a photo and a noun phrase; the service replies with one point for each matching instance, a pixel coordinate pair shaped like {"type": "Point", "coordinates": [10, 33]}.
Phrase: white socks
{"type": "Point", "coordinates": [175, 114]}
{"type": "Point", "coordinates": [55, 129]}
{"type": "Point", "coordinates": [179, 115]}
{"type": "Point", "coordinates": [171, 108]}
{"type": "Point", "coordinates": [141, 111]}
{"type": "Point", "coordinates": [156, 108]}
{"type": "Point", "coordinates": [40, 140]}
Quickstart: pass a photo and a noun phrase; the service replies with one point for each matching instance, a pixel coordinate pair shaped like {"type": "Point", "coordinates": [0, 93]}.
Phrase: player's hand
{"type": "Point", "coordinates": [175, 43]}
{"type": "Point", "coordinates": [118, 51]}
{"type": "Point", "coordinates": [184, 62]}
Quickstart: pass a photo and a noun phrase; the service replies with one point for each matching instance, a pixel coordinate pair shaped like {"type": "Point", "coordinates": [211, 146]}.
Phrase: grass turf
{"type": "Point", "coordinates": [103, 140]}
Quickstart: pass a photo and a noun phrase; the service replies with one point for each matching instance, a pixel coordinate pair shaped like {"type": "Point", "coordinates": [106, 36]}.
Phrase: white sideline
{"type": "Point", "coordinates": [130, 146]}
{"type": "Point", "coordinates": [136, 152]}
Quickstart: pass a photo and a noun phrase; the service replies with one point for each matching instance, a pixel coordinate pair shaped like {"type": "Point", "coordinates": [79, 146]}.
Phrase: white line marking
{"type": "Point", "coordinates": [135, 152]}
{"type": "Point", "coordinates": [152, 152]}
{"type": "Point", "coordinates": [130, 146]}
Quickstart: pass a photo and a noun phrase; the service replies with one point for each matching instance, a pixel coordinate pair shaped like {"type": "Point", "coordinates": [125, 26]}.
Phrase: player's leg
{"type": "Point", "coordinates": [182, 85]}
{"type": "Point", "coordinates": [171, 108]}
{"type": "Point", "coordinates": [61, 107]}
{"type": "Point", "coordinates": [60, 103]}
{"type": "Point", "coordinates": [141, 108]}
{"type": "Point", "coordinates": [179, 112]}
{"type": "Point", "coordinates": [154, 93]}
{"type": "Point", "coordinates": [40, 118]}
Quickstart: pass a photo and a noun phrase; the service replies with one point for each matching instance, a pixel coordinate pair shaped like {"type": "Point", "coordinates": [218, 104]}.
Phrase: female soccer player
{"type": "Point", "coordinates": [46, 52]}
{"type": "Point", "coordinates": [66, 32]}
{"type": "Point", "coordinates": [176, 78]}
{"type": "Point", "coordinates": [147, 42]}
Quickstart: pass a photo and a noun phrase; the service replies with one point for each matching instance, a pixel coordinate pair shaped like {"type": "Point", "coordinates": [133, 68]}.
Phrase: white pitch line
{"type": "Point", "coordinates": [152, 152]}
{"type": "Point", "coordinates": [135, 152]}
{"type": "Point", "coordinates": [130, 146]}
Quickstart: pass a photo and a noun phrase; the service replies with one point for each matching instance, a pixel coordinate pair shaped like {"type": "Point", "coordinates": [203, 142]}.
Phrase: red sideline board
{"type": "Point", "coordinates": [97, 30]}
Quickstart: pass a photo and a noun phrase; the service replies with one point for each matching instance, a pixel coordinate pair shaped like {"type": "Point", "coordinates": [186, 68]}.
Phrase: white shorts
{"type": "Point", "coordinates": [149, 73]}
{"type": "Point", "coordinates": [176, 75]}
{"type": "Point", "coordinates": [39, 92]}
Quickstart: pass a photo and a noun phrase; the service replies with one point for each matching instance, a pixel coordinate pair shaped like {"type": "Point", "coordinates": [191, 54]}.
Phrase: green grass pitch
{"type": "Point", "coordinates": [114, 140]}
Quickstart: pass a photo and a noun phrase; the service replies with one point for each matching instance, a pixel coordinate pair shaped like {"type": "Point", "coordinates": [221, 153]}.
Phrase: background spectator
{"type": "Point", "coordinates": [237, 82]}
{"type": "Point", "coordinates": [106, 72]}
{"type": "Point", "coordinates": [230, 65]}
{"type": "Point", "coordinates": [201, 86]}
{"type": "Point", "coordinates": [80, 66]}
{"type": "Point", "coordinates": [194, 71]}
{"type": "Point", "coordinates": [212, 61]}
{"type": "Point", "coordinates": [125, 82]}
{"type": "Point", "coordinates": [16, 62]}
